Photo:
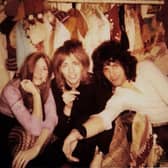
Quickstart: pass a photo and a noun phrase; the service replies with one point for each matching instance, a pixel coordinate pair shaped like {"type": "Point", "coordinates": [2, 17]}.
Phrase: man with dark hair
{"type": "Point", "coordinates": [139, 87]}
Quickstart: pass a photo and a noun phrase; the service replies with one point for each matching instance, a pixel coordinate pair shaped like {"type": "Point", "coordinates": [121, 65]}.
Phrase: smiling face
{"type": "Point", "coordinates": [71, 69]}
{"type": "Point", "coordinates": [40, 72]}
{"type": "Point", "coordinates": [115, 73]}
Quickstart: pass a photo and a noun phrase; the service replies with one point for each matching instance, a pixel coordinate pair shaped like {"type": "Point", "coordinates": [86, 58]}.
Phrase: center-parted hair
{"type": "Point", "coordinates": [70, 47]}
{"type": "Point", "coordinates": [26, 72]}
{"type": "Point", "coordinates": [113, 51]}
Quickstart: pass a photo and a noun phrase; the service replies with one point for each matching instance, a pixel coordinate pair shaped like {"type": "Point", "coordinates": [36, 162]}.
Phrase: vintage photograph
{"type": "Point", "coordinates": [83, 83]}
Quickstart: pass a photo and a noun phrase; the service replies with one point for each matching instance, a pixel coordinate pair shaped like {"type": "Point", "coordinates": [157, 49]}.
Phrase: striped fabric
{"type": "Point", "coordinates": [20, 140]}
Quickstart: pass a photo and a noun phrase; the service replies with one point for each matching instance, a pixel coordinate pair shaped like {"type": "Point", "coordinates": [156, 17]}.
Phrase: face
{"type": "Point", "coordinates": [71, 70]}
{"type": "Point", "coordinates": [40, 72]}
{"type": "Point", "coordinates": [114, 72]}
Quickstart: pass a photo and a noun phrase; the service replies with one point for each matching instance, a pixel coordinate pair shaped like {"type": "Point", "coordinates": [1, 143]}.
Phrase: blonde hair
{"type": "Point", "coordinates": [70, 47]}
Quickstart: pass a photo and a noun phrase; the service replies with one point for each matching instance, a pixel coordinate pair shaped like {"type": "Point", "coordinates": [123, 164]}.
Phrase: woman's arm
{"type": "Point", "coordinates": [23, 157]}
{"type": "Point", "coordinates": [13, 98]}
{"type": "Point", "coordinates": [29, 87]}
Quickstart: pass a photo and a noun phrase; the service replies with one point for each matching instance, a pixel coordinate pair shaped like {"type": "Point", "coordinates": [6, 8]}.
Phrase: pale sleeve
{"type": "Point", "coordinates": [51, 118]}
{"type": "Point", "coordinates": [156, 78]}
{"type": "Point", "coordinates": [114, 107]}
{"type": "Point", "coordinates": [21, 113]}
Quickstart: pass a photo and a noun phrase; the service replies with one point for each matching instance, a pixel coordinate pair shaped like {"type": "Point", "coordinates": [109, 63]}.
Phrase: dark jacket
{"type": "Point", "coordinates": [91, 100]}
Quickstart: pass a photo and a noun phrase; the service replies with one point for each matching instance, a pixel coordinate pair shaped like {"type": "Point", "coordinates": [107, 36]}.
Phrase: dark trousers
{"type": "Point", "coordinates": [6, 123]}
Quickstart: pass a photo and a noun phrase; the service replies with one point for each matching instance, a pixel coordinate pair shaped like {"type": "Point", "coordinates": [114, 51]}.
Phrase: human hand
{"type": "Point", "coordinates": [97, 159]}
{"type": "Point", "coordinates": [69, 96]}
{"type": "Point", "coordinates": [70, 143]}
{"type": "Point", "coordinates": [28, 86]}
{"type": "Point", "coordinates": [23, 157]}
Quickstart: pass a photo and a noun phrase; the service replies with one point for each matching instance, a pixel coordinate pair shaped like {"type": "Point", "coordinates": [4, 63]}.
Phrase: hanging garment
{"type": "Point", "coordinates": [45, 31]}
{"type": "Point", "coordinates": [124, 38]}
{"type": "Point", "coordinates": [3, 56]}
{"type": "Point", "coordinates": [63, 6]}
{"type": "Point", "coordinates": [130, 27]}
{"type": "Point", "coordinates": [76, 24]}
{"type": "Point", "coordinates": [11, 7]}
{"type": "Point", "coordinates": [2, 14]}
{"type": "Point", "coordinates": [33, 6]}
{"type": "Point", "coordinates": [133, 29]}
{"type": "Point", "coordinates": [62, 16]}
{"type": "Point", "coordinates": [37, 37]}
{"type": "Point", "coordinates": [61, 34]}
{"type": "Point", "coordinates": [160, 58]}
{"type": "Point", "coordinates": [113, 18]}
{"type": "Point", "coordinates": [56, 33]}
{"type": "Point", "coordinates": [23, 44]}
{"type": "Point", "coordinates": [98, 32]}
{"type": "Point", "coordinates": [20, 12]}
{"type": "Point", "coordinates": [88, 8]}
{"type": "Point", "coordinates": [162, 16]}
{"type": "Point", "coordinates": [11, 63]}
{"type": "Point", "coordinates": [7, 27]}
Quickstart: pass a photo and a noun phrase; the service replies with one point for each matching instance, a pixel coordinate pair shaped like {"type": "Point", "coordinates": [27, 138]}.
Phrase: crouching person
{"type": "Point", "coordinates": [138, 86]}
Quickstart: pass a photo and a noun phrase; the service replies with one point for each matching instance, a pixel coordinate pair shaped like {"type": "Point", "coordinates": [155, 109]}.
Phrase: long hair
{"type": "Point", "coordinates": [26, 72]}
{"type": "Point", "coordinates": [113, 51]}
{"type": "Point", "coordinates": [70, 47]}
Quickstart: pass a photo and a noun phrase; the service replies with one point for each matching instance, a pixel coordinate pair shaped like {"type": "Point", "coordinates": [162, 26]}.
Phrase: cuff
{"type": "Point", "coordinates": [82, 130]}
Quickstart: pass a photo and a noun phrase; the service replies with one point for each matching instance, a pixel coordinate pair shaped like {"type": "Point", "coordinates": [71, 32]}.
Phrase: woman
{"type": "Point", "coordinates": [140, 87]}
{"type": "Point", "coordinates": [29, 99]}
{"type": "Point", "coordinates": [77, 96]}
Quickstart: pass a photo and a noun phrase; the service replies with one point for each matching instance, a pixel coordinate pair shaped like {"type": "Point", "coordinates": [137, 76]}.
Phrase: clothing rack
{"type": "Point", "coordinates": [154, 2]}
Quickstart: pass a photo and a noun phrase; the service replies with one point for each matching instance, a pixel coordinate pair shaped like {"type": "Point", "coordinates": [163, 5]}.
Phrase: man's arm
{"type": "Point", "coordinates": [93, 126]}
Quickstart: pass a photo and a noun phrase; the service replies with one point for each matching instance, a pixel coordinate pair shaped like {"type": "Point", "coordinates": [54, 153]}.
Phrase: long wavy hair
{"type": "Point", "coordinates": [70, 47]}
{"type": "Point", "coordinates": [113, 51]}
{"type": "Point", "coordinates": [26, 72]}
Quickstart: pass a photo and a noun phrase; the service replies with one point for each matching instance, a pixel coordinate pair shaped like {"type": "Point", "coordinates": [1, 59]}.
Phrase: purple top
{"type": "Point", "coordinates": [11, 104]}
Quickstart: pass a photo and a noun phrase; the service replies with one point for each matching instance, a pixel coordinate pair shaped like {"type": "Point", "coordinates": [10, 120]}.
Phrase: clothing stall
{"type": "Point", "coordinates": [156, 2]}
{"type": "Point", "coordinates": [112, 19]}
{"type": "Point", "coordinates": [44, 25]}
{"type": "Point", "coordinates": [93, 22]}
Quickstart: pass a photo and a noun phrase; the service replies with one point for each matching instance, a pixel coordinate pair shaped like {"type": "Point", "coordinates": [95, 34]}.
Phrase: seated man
{"type": "Point", "coordinates": [139, 87]}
